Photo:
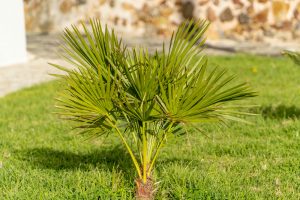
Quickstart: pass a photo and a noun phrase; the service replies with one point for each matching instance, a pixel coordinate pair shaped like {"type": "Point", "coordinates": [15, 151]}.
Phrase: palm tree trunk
{"type": "Point", "coordinates": [144, 190]}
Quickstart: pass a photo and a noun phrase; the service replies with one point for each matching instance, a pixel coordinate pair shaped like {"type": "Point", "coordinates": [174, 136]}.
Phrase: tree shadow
{"type": "Point", "coordinates": [105, 158]}
{"type": "Point", "coordinates": [279, 112]}
{"type": "Point", "coordinates": [161, 163]}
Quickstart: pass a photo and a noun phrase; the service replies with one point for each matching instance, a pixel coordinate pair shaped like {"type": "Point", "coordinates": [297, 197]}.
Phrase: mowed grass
{"type": "Point", "coordinates": [41, 159]}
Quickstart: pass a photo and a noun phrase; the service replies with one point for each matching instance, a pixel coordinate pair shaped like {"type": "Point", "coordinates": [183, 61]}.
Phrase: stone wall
{"type": "Point", "coordinates": [257, 20]}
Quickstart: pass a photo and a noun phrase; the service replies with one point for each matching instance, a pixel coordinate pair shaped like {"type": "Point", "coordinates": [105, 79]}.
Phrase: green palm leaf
{"type": "Point", "coordinates": [294, 56]}
{"type": "Point", "coordinates": [141, 97]}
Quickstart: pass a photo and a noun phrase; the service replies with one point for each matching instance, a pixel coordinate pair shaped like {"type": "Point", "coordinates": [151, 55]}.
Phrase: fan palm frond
{"type": "Point", "coordinates": [294, 56]}
{"type": "Point", "coordinates": [140, 96]}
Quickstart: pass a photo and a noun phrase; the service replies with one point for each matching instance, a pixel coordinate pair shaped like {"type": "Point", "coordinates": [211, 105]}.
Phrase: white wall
{"type": "Point", "coordinates": [12, 32]}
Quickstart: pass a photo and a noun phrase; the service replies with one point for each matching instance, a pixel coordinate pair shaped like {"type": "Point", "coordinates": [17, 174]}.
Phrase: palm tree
{"type": "Point", "coordinates": [142, 98]}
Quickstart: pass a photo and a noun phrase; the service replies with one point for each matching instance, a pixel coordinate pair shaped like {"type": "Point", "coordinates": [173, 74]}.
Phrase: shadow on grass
{"type": "Point", "coordinates": [175, 161]}
{"type": "Point", "coordinates": [279, 112]}
{"type": "Point", "coordinates": [106, 158]}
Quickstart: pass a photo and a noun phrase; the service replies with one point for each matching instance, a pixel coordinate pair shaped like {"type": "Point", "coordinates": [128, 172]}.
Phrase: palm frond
{"type": "Point", "coordinates": [143, 98]}
{"type": "Point", "coordinates": [294, 56]}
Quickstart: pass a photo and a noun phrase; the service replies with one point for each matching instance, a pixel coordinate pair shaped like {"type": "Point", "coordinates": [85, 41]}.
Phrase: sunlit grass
{"type": "Point", "coordinates": [41, 159]}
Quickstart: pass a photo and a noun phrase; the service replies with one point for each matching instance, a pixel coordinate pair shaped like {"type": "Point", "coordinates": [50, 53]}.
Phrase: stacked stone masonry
{"type": "Point", "coordinates": [242, 20]}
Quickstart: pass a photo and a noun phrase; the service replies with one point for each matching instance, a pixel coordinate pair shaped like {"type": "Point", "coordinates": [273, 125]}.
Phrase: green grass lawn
{"type": "Point", "coordinates": [41, 159]}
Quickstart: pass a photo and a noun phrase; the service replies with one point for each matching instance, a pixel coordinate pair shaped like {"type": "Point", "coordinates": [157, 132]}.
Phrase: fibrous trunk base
{"type": "Point", "coordinates": [144, 191]}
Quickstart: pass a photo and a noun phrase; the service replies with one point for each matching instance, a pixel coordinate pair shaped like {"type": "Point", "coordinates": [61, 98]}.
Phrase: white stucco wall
{"type": "Point", "coordinates": [12, 32]}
